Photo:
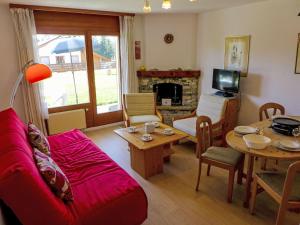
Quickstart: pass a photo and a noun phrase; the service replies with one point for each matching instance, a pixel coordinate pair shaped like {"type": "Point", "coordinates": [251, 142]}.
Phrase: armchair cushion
{"type": "Point", "coordinates": [187, 125]}
{"type": "Point", "coordinates": [225, 155]}
{"type": "Point", "coordinates": [143, 119]}
{"type": "Point", "coordinates": [140, 104]}
{"type": "Point", "coordinates": [276, 182]}
{"type": "Point", "coordinates": [211, 106]}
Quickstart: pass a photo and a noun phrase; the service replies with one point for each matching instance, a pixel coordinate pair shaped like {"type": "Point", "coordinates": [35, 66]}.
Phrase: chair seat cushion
{"type": "Point", "coordinates": [187, 125]}
{"type": "Point", "coordinates": [276, 182]}
{"type": "Point", "coordinates": [225, 155]}
{"type": "Point", "coordinates": [143, 119]}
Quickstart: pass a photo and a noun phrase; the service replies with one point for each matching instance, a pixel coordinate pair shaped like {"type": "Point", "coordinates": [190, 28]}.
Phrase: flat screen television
{"type": "Point", "coordinates": [226, 81]}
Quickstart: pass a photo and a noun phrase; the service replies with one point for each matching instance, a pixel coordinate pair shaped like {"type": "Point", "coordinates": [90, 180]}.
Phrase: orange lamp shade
{"type": "Point", "coordinates": [37, 72]}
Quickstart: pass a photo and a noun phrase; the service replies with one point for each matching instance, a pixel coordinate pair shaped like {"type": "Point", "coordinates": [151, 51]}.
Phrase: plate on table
{"type": "Point", "coordinates": [245, 130]}
{"type": "Point", "coordinates": [284, 143]}
{"type": "Point", "coordinates": [156, 124]}
{"type": "Point", "coordinates": [168, 133]}
{"type": "Point", "coordinates": [132, 129]}
{"type": "Point", "coordinates": [290, 144]}
{"type": "Point", "coordinates": [146, 139]}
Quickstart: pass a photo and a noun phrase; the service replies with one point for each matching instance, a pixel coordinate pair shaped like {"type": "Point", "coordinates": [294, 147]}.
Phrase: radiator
{"type": "Point", "coordinates": [68, 120]}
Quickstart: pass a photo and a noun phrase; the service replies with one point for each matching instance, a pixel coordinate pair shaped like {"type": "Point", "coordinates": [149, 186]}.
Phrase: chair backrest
{"type": "Point", "coordinates": [139, 104]}
{"type": "Point", "coordinates": [212, 106]}
{"type": "Point", "coordinates": [271, 106]}
{"type": "Point", "coordinates": [204, 134]}
{"type": "Point", "coordinates": [292, 172]}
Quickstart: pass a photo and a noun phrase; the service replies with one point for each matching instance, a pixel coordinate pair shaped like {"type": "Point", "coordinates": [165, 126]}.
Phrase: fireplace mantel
{"type": "Point", "coordinates": [169, 73]}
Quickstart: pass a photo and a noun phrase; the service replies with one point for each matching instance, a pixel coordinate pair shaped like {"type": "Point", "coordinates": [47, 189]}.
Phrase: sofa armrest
{"type": "Point", "coordinates": [193, 114]}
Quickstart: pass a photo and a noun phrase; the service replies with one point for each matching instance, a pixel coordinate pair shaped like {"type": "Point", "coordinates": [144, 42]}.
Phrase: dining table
{"type": "Point", "coordinates": [236, 142]}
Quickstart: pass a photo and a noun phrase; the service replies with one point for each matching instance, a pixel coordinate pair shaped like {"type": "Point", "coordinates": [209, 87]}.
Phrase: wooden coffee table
{"type": "Point", "coordinates": [147, 158]}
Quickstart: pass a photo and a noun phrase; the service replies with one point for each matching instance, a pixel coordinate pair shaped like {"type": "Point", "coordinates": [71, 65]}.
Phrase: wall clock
{"type": "Point", "coordinates": [169, 38]}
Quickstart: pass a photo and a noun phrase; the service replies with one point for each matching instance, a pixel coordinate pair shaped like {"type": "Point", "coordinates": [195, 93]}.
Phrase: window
{"type": "Point", "coordinates": [106, 70]}
{"type": "Point", "coordinates": [83, 52]}
{"type": "Point", "coordinates": [45, 60]}
{"type": "Point", "coordinates": [69, 83]}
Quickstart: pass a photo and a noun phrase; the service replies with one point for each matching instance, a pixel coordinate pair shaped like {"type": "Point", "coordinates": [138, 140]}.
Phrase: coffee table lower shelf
{"type": "Point", "coordinates": [150, 162]}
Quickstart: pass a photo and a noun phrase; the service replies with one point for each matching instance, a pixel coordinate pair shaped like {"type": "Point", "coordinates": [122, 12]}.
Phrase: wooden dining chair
{"type": "Point", "coordinates": [270, 106]}
{"type": "Point", "coordinates": [225, 158]}
{"type": "Point", "coordinates": [264, 113]}
{"type": "Point", "coordinates": [283, 188]}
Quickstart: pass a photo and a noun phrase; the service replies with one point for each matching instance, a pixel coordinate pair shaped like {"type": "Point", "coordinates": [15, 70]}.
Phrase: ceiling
{"type": "Point", "coordinates": [135, 6]}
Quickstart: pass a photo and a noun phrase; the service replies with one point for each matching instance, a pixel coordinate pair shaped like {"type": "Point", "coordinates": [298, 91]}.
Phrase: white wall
{"type": "Point", "coordinates": [274, 27]}
{"type": "Point", "coordinates": [8, 61]}
{"type": "Point", "coordinates": [151, 28]}
{"type": "Point", "coordinates": [139, 35]}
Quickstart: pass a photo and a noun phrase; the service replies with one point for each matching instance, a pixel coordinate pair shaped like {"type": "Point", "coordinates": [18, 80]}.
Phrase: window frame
{"type": "Point", "coordinates": [87, 25]}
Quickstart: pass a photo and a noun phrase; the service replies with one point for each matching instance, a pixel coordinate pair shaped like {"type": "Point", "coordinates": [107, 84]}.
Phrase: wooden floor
{"type": "Point", "coordinates": [172, 197]}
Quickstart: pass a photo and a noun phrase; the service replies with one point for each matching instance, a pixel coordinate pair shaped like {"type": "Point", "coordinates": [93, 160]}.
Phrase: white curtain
{"type": "Point", "coordinates": [129, 78]}
{"type": "Point", "coordinates": [35, 107]}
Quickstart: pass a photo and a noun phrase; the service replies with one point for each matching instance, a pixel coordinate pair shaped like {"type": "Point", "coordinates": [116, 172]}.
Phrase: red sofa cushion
{"type": "Point", "coordinates": [53, 175]}
{"type": "Point", "coordinates": [103, 192]}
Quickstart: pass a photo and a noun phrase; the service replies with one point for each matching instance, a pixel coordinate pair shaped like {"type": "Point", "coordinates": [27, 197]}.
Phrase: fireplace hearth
{"type": "Point", "coordinates": [168, 91]}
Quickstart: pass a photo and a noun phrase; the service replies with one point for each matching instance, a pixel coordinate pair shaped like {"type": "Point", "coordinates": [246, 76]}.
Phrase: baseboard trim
{"type": "Point", "coordinates": [103, 126]}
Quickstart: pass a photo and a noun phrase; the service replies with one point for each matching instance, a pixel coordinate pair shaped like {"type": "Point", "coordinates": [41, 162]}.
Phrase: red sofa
{"type": "Point", "coordinates": [103, 192]}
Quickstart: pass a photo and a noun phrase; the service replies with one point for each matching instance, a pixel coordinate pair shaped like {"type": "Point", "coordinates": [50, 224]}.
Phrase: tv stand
{"type": "Point", "coordinates": [224, 94]}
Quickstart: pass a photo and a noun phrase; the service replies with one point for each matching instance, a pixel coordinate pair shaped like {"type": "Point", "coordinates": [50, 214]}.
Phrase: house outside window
{"type": "Point", "coordinates": [60, 59]}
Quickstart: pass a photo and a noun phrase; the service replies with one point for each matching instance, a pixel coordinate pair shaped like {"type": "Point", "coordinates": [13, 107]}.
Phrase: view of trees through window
{"type": "Point", "coordinates": [106, 69]}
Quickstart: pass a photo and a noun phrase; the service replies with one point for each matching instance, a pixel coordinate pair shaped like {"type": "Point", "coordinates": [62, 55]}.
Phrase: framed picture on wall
{"type": "Point", "coordinates": [237, 53]}
{"type": "Point", "coordinates": [297, 67]}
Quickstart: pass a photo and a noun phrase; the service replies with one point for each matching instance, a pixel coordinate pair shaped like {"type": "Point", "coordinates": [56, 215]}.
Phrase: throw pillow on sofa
{"type": "Point", "coordinates": [53, 176]}
{"type": "Point", "coordinates": [38, 139]}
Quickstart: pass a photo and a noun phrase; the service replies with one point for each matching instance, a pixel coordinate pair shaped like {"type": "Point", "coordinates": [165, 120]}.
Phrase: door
{"type": "Point", "coordinates": [83, 52]}
{"type": "Point", "coordinates": [86, 75]}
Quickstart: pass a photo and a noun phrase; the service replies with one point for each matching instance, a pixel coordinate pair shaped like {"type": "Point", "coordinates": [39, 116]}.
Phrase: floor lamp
{"type": "Point", "coordinates": [33, 72]}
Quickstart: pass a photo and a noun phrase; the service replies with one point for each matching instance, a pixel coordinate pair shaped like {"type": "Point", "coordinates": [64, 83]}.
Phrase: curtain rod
{"type": "Point", "coordinates": [69, 10]}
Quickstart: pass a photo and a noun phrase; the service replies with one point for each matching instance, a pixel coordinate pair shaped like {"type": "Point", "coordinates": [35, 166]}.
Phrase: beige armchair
{"type": "Point", "coordinates": [212, 106]}
{"type": "Point", "coordinates": [140, 108]}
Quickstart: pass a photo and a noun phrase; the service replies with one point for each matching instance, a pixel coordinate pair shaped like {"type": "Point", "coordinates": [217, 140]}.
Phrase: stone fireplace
{"type": "Point", "coordinates": [181, 87]}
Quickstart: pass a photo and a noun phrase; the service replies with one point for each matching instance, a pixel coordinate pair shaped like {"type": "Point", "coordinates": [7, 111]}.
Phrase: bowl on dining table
{"type": "Point", "coordinates": [256, 141]}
